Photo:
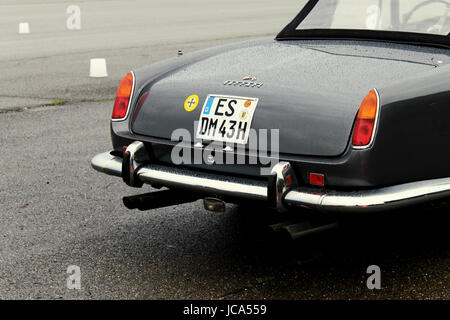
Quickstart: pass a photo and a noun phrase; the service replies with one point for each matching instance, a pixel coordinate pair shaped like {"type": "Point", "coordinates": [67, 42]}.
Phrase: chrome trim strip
{"type": "Point", "coordinates": [370, 200]}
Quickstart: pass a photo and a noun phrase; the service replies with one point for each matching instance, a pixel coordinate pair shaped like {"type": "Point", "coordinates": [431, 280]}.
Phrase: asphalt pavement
{"type": "Point", "coordinates": [56, 211]}
{"type": "Point", "coordinates": [51, 64]}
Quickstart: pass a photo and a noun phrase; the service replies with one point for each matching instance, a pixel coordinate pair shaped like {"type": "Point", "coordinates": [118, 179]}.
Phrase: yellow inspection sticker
{"type": "Point", "coordinates": [191, 103]}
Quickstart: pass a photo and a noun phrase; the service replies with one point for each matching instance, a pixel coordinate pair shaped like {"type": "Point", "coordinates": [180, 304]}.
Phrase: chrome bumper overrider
{"type": "Point", "coordinates": [284, 196]}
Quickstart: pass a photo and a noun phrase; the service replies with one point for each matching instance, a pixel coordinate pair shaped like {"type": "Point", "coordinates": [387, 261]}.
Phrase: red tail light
{"type": "Point", "coordinates": [366, 120]}
{"type": "Point", "coordinates": [123, 97]}
{"type": "Point", "coordinates": [317, 179]}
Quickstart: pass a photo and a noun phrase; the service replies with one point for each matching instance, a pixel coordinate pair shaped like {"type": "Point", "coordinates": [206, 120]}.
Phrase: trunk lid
{"type": "Point", "coordinates": [311, 91]}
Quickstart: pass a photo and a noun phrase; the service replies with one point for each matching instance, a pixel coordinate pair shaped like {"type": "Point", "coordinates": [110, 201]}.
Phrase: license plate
{"type": "Point", "coordinates": [226, 119]}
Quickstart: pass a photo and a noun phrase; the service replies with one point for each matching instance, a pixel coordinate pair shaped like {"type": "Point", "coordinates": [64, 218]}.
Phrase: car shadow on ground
{"type": "Point", "coordinates": [410, 231]}
{"type": "Point", "coordinates": [410, 246]}
{"type": "Point", "coordinates": [187, 253]}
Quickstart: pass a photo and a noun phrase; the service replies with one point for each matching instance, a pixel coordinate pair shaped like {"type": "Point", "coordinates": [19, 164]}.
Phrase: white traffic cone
{"type": "Point", "coordinates": [24, 28]}
{"type": "Point", "coordinates": [98, 68]}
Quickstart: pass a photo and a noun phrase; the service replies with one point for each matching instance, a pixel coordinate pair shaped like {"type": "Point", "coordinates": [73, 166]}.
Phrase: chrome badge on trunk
{"type": "Point", "coordinates": [243, 83]}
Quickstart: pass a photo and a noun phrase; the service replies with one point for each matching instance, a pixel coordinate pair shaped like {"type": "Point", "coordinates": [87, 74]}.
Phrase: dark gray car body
{"type": "Point", "coordinates": [309, 84]}
{"type": "Point", "coordinates": [312, 90]}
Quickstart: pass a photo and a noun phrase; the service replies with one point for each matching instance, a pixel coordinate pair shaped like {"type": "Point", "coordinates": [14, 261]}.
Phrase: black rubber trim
{"type": "Point", "coordinates": [126, 168]}
{"type": "Point", "coordinates": [272, 190]}
{"type": "Point", "coordinates": [137, 183]}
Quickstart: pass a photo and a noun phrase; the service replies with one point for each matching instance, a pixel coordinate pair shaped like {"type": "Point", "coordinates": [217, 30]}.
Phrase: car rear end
{"type": "Point", "coordinates": [328, 155]}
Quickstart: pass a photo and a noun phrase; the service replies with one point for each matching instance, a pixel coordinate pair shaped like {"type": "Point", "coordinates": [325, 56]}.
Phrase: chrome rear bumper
{"type": "Point", "coordinates": [186, 179]}
{"type": "Point", "coordinates": [284, 196]}
{"type": "Point", "coordinates": [371, 200]}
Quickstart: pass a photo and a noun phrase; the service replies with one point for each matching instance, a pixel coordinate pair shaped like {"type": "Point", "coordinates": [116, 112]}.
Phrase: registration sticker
{"type": "Point", "coordinates": [191, 103]}
{"type": "Point", "coordinates": [226, 118]}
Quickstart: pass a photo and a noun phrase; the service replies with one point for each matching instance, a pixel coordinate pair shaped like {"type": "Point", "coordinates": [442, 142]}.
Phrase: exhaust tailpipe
{"type": "Point", "coordinates": [297, 230]}
{"type": "Point", "coordinates": [158, 199]}
{"type": "Point", "coordinates": [214, 205]}
{"type": "Point", "coordinates": [305, 229]}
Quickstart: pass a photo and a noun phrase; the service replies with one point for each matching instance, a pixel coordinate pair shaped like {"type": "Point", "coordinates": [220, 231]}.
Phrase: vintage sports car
{"type": "Point", "coordinates": [347, 109]}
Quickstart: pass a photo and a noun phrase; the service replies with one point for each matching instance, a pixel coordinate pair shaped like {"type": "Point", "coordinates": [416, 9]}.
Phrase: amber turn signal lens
{"type": "Point", "coordinates": [365, 120]}
{"type": "Point", "coordinates": [123, 97]}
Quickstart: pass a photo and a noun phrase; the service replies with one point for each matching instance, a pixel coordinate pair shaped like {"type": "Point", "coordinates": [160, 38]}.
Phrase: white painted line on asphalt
{"type": "Point", "coordinates": [24, 28]}
{"type": "Point", "coordinates": [98, 68]}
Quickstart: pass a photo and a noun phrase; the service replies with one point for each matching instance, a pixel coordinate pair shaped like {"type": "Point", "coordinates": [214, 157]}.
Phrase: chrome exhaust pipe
{"type": "Point", "coordinates": [214, 205]}
{"type": "Point", "coordinates": [302, 229]}
{"type": "Point", "coordinates": [158, 199]}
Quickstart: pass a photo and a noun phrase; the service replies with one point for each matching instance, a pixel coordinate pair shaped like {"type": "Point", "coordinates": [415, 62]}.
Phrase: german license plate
{"type": "Point", "coordinates": [226, 119]}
